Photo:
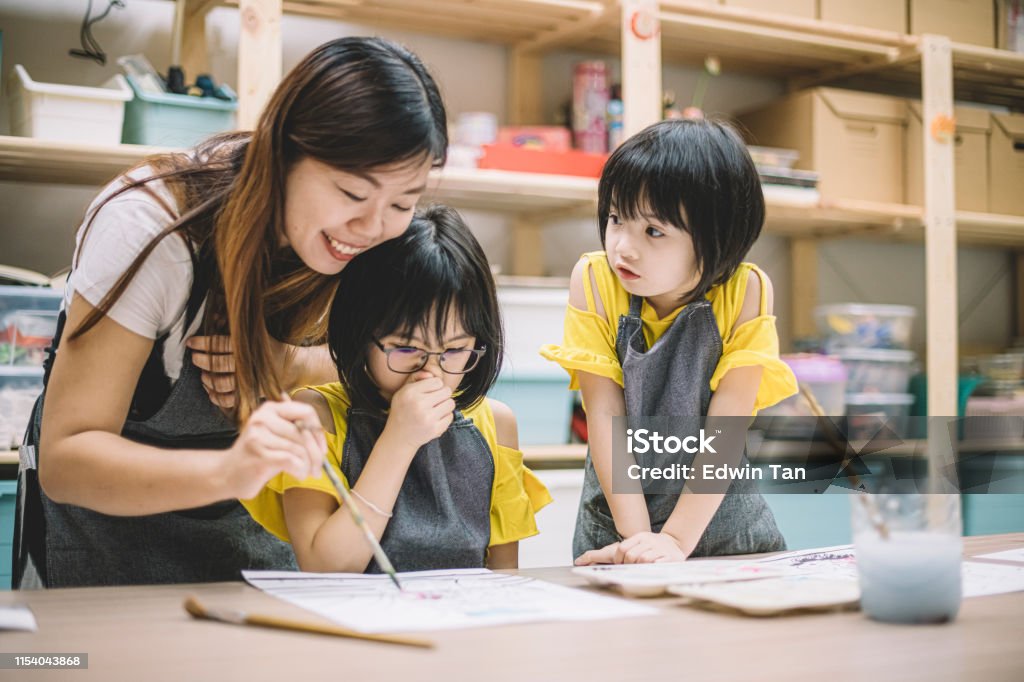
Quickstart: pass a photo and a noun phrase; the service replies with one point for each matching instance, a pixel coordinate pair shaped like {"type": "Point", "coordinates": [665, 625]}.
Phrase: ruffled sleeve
{"type": "Point", "coordinates": [588, 346]}
{"type": "Point", "coordinates": [516, 498]}
{"type": "Point", "coordinates": [756, 343]}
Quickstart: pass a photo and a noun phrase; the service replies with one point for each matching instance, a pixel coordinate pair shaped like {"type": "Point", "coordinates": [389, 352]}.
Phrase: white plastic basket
{"type": "Point", "coordinates": [532, 318]}
{"type": "Point", "coordinates": [68, 113]}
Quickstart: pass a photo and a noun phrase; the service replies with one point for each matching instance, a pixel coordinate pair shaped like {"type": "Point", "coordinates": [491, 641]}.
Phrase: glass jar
{"type": "Point", "coordinates": [909, 554]}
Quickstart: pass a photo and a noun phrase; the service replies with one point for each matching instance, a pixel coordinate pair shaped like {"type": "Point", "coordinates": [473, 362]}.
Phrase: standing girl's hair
{"type": "Point", "coordinates": [699, 164]}
{"type": "Point", "coordinates": [354, 104]}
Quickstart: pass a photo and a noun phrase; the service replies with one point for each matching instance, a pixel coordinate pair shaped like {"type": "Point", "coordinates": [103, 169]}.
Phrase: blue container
{"type": "Point", "coordinates": [542, 405]}
{"type": "Point", "coordinates": [169, 120]}
{"type": "Point", "coordinates": [7, 496]}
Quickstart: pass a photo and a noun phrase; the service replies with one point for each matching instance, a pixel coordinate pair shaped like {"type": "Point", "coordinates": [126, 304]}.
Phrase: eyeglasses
{"type": "Point", "coordinates": [409, 359]}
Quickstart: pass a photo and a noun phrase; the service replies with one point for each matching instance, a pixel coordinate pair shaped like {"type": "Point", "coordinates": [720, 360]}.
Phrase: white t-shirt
{"type": "Point", "coordinates": [155, 300]}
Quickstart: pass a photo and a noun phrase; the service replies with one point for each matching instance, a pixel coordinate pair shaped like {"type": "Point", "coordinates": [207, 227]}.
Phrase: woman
{"type": "Point", "coordinates": [139, 455]}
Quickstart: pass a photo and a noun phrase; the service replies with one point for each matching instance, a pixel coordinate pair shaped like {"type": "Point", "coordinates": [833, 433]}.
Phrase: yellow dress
{"type": "Point", "coordinates": [516, 493]}
{"type": "Point", "coordinates": [589, 340]}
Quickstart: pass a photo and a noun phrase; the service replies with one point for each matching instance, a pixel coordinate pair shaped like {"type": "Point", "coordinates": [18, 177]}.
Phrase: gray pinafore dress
{"type": "Point", "coordinates": [68, 546]}
{"type": "Point", "coordinates": [442, 515]}
{"type": "Point", "coordinates": [672, 379]}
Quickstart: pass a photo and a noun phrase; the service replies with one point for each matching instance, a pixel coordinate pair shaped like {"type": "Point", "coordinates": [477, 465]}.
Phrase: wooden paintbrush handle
{"type": "Point", "coordinates": [302, 626]}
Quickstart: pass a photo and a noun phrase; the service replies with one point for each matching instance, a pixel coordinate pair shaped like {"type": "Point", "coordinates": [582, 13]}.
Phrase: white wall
{"type": "Point", "coordinates": [37, 222]}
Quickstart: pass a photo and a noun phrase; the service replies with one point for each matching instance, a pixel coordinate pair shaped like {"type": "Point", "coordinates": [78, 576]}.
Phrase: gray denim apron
{"type": "Point", "coordinates": [673, 379]}
{"type": "Point", "coordinates": [81, 547]}
{"type": "Point", "coordinates": [442, 515]}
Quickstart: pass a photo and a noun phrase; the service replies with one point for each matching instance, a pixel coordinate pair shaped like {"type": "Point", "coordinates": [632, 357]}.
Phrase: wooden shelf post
{"type": "Point", "coordinates": [803, 286]}
{"type": "Point", "coordinates": [641, 65]}
{"type": "Point", "coordinates": [259, 57]}
{"type": "Point", "coordinates": [939, 131]}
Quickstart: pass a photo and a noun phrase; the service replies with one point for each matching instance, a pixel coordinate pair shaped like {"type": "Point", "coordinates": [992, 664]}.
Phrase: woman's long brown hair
{"type": "Point", "coordinates": [356, 104]}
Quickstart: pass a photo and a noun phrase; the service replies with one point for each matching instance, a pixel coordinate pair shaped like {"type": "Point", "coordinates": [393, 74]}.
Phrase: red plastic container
{"type": "Point", "coordinates": [512, 158]}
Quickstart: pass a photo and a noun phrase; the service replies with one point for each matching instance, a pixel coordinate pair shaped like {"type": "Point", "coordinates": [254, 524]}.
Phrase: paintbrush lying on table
{"type": "Point", "coordinates": [197, 610]}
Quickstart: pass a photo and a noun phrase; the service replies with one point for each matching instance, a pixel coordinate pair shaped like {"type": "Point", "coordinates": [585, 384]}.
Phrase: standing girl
{"type": "Point", "coordinates": [669, 321]}
{"type": "Point", "coordinates": [433, 464]}
{"type": "Point", "coordinates": [240, 239]}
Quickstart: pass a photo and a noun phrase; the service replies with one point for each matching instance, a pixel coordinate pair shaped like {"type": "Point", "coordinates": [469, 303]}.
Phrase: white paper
{"type": "Point", "coordinates": [979, 579]}
{"type": "Point", "coordinates": [437, 600]}
{"type": "Point", "coordinates": [1008, 555]}
{"type": "Point", "coordinates": [17, 618]}
{"type": "Point", "coordinates": [649, 580]}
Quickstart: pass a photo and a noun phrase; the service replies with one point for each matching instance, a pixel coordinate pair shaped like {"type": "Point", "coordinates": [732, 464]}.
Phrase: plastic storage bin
{"type": "Point", "coordinates": [68, 113]}
{"type": "Point", "coordinates": [28, 320]}
{"type": "Point", "coordinates": [825, 376]}
{"type": "Point", "coordinates": [169, 120]}
{"type": "Point", "coordinates": [857, 325]}
{"type": "Point", "coordinates": [542, 405]}
{"type": "Point", "coordinates": [7, 496]}
{"type": "Point", "coordinates": [868, 413]}
{"type": "Point", "coordinates": [532, 318]}
{"type": "Point", "coordinates": [873, 370]}
{"type": "Point", "coordinates": [994, 417]}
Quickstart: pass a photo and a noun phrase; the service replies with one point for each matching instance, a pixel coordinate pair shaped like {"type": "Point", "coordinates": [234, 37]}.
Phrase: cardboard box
{"type": "Point", "coordinates": [964, 21]}
{"type": "Point", "coordinates": [885, 15]}
{"type": "Point", "coordinates": [853, 140]}
{"type": "Point", "coordinates": [1006, 164]}
{"type": "Point", "coordinates": [798, 8]}
{"type": "Point", "coordinates": [970, 157]}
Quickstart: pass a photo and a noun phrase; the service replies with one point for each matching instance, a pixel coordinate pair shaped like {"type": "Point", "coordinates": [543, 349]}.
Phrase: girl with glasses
{"type": "Point", "coordinates": [432, 463]}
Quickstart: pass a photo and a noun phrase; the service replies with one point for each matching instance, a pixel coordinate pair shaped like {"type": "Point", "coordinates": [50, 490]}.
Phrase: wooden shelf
{"type": "Point", "coordinates": [538, 196]}
{"type": "Point", "coordinates": [802, 51]}
{"type": "Point", "coordinates": [26, 159]}
{"type": "Point", "coordinates": [502, 21]}
{"type": "Point", "coordinates": [512, 192]}
{"type": "Point", "coordinates": [568, 456]}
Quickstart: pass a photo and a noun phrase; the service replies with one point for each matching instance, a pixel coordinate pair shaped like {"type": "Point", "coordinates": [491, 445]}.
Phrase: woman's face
{"type": "Point", "coordinates": [332, 216]}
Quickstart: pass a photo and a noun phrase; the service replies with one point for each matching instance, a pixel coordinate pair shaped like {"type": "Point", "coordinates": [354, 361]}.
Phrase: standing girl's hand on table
{"type": "Point", "coordinates": [275, 439]}
{"type": "Point", "coordinates": [648, 548]}
{"type": "Point", "coordinates": [213, 355]}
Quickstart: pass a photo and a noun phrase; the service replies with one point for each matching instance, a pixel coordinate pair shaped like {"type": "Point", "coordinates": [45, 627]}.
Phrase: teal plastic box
{"type": "Point", "coordinates": [169, 120]}
{"type": "Point", "coordinates": [7, 495]}
{"type": "Point", "coordinates": [542, 405]}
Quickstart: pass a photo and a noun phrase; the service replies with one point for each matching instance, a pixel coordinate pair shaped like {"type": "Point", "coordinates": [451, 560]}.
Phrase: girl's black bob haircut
{"type": "Point", "coordinates": [697, 176]}
{"type": "Point", "coordinates": [435, 265]}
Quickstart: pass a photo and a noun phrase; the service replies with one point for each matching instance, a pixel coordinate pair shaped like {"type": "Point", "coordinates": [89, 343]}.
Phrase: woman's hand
{"type": "Point", "coordinates": [421, 410]}
{"type": "Point", "coordinates": [214, 356]}
{"type": "Point", "coordinates": [278, 437]}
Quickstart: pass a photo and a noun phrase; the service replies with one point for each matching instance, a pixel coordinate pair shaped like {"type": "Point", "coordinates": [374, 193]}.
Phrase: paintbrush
{"type": "Point", "coordinates": [837, 444]}
{"type": "Point", "coordinates": [357, 516]}
{"type": "Point", "coordinates": [236, 617]}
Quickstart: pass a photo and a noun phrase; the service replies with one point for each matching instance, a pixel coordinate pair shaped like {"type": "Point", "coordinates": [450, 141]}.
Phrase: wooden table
{"type": "Point", "coordinates": [134, 633]}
